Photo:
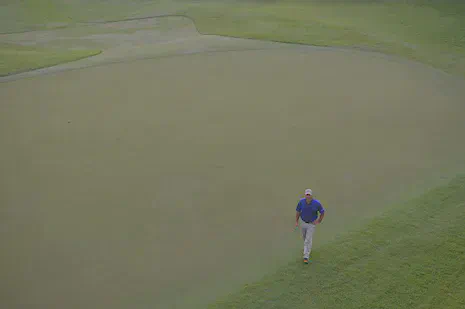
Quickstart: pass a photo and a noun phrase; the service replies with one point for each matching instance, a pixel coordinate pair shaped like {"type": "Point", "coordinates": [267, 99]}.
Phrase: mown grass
{"type": "Point", "coordinates": [431, 32]}
{"type": "Point", "coordinates": [411, 257]}
{"type": "Point", "coordinates": [30, 15]}
{"type": "Point", "coordinates": [428, 31]}
{"type": "Point", "coordinates": [16, 58]}
{"type": "Point", "coordinates": [27, 15]}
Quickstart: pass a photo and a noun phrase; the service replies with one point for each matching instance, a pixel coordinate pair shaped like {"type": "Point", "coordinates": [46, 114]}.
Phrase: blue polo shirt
{"type": "Point", "coordinates": [309, 212]}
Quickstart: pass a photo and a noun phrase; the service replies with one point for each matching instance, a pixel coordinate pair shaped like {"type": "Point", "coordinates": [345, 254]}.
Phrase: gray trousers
{"type": "Point", "coordinates": [307, 235]}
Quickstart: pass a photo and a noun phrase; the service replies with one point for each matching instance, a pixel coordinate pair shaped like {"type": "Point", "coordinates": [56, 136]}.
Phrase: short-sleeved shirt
{"type": "Point", "coordinates": [309, 212]}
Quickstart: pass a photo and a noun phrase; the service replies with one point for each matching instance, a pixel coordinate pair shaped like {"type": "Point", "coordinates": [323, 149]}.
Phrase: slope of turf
{"type": "Point", "coordinates": [27, 15]}
{"type": "Point", "coordinates": [16, 58]}
{"type": "Point", "coordinates": [432, 32]}
{"type": "Point", "coordinates": [411, 257]}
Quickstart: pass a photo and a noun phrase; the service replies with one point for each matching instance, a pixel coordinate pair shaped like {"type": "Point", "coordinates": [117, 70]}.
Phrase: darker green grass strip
{"type": "Point", "coordinates": [18, 59]}
{"type": "Point", "coordinates": [431, 32]}
{"type": "Point", "coordinates": [411, 257]}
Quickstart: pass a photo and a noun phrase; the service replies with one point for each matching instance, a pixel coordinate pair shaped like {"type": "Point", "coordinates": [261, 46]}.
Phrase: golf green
{"type": "Point", "coordinates": [166, 183]}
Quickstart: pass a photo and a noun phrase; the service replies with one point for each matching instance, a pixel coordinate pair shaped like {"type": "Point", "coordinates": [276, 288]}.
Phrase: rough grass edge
{"type": "Point", "coordinates": [379, 233]}
{"type": "Point", "coordinates": [52, 64]}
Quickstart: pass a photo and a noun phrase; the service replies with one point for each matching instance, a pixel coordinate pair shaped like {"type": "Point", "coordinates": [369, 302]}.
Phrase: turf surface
{"type": "Point", "coordinates": [97, 164]}
{"type": "Point", "coordinates": [169, 182]}
{"type": "Point", "coordinates": [410, 257]}
{"type": "Point", "coordinates": [17, 58]}
{"type": "Point", "coordinates": [431, 32]}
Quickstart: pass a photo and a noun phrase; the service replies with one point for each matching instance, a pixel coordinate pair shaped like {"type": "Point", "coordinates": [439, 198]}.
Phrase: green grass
{"type": "Point", "coordinates": [26, 15]}
{"type": "Point", "coordinates": [411, 257]}
{"type": "Point", "coordinates": [17, 58]}
{"type": "Point", "coordinates": [426, 31]}
{"type": "Point", "coordinates": [431, 32]}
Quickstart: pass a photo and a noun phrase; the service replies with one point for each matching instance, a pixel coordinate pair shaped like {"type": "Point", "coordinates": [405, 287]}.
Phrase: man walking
{"type": "Point", "coordinates": [308, 210]}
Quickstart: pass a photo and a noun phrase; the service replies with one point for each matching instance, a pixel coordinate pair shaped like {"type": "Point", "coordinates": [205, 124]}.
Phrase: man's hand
{"type": "Point", "coordinates": [317, 221]}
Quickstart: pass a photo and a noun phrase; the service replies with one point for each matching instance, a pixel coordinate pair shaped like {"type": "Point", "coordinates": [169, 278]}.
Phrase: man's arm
{"type": "Point", "coordinates": [321, 210]}
{"type": "Point", "coordinates": [322, 215]}
{"type": "Point", "coordinates": [298, 210]}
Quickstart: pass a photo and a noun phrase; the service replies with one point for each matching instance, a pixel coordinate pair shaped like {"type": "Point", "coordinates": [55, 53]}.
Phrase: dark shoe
{"type": "Point", "coordinates": [305, 260]}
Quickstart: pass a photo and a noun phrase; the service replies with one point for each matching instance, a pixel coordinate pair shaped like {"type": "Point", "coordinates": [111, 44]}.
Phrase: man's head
{"type": "Point", "coordinates": [308, 194]}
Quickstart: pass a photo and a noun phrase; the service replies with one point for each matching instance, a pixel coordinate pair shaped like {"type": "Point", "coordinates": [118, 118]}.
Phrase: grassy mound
{"type": "Point", "coordinates": [411, 257]}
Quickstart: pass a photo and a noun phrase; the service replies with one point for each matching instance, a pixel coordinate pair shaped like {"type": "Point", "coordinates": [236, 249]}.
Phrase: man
{"type": "Point", "coordinates": [308, 210]}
